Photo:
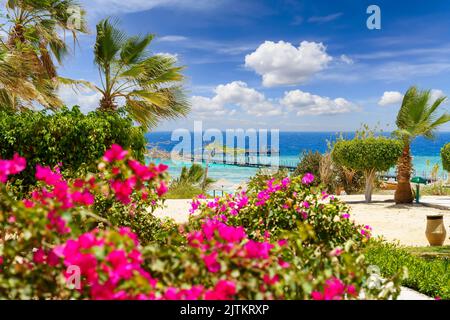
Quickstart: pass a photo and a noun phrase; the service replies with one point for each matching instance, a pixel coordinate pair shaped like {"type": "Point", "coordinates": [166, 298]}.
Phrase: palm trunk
{"type": "Point", "coordinates": [107, 104]}
{"type": "Point", "coordinates": [403, 194]}
{"type": "Point", "coordinates": [370, 178]}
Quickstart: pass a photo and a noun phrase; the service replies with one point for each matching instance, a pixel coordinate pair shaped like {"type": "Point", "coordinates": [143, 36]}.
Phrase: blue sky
{"type": "Point", "coordinates": [289, 64]}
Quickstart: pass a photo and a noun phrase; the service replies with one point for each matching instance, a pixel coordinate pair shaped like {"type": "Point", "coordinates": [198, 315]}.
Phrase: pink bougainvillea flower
{"type": "Point", "coordinates": [334, 289]}
{"type": "Point", "coordinates": [115, 153]}
{"type": "Point", "coordinates": [308, 178]}
{"type": "Point", "coordinates": [162, 189]}
{"type": "Point", "coordinates": [1, 260]}
{"type": "Point", "coordinates": [211, 262]}
{"type": "Point", "coordinates": [39, 256]}
{"type": "Point", "coordinates": [123, 189]}
{"type": "Point", "coordinates": [28, 203]}
{"type": "Point", "coordinates": [10, 167]}
{"type": "Point", "coordinates": [271, 280]}
{"type": "Point", "coordinates": [345, 215]}
{"type": "Point", "coordinates": [46, 175]}
{"type": "Point", "coordinates": [142, 172]}
{"type": "Point", "coordinates": [224, 290]}
{"type": "Point", "coordinates": [257, 250]}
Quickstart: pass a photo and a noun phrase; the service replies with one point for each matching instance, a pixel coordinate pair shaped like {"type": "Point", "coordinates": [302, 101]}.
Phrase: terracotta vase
{"type": "Point", "coordinates": [435, 230]}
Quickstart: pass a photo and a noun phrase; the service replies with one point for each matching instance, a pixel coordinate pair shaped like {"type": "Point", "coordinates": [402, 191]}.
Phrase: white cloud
{"type": "Point", "coordinates": [283, 64]}
{"type": "Point", "coordinates": [435, 94]}
{"type": "Point", "coordinates": [87, 99]}
{"type": "Point", "coordinates": [234, 94]}
{"type": "Point", "coordinates": [396, 98]}
{"type": "Point", "coordinates": [167, 54]}
{"type": "Point", "coordinates": [390, 98]}
{"type": "Point", "coordinates": [172, 38]}
{"type": "Point", "coordinates": [346, 59]}
{"type": "Point", "coordinates": [106, 7]}
{"type": "Point", "coordinates": [327, 18]}
{"type": "Point", "coordinates": [305, 103]}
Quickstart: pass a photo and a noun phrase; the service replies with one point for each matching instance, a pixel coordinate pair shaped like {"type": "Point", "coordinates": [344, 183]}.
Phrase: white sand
{"type": "Point", "coordinates": [395, 222]}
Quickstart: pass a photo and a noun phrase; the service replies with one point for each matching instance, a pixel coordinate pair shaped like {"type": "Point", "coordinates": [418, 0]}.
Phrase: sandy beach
{"type": "Point", "coordinates": [403, 223]}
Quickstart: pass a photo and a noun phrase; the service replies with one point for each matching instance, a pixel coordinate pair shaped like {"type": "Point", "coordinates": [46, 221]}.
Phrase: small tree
{"type": "Point", "coordinates": [445, 155]}
{"type": "Point", "coordinates": [370, 155]}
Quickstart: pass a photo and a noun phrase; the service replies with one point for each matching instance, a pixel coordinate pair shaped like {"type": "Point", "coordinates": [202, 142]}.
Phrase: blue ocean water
{"type": "Point", "coordinates": [426, 153]}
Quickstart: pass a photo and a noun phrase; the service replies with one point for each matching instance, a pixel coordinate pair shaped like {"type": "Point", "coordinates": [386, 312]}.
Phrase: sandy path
{"type": "Point", "coordinates": [403, 223]}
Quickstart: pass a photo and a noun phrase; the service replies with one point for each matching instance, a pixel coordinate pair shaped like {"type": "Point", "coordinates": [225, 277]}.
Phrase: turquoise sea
{"type": "Point", "coordinates": [426, 154]}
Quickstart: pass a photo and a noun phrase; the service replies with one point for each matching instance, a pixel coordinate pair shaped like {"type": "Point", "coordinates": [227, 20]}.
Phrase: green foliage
{"type": "Point", "coordinates": [182, 191]}
{"type": "Point", "coordinates": [68, 137]}
{"type": "Point", "coordinates": [373, 153]}
{"type": "Point", "coordinates": [430, 277]}
{"type": "Point", "coordinates": [309, 163]}
{"type": "Point", "coordinates": [445, 155]}
{"type": "Point", "coordinates": [418, 115]}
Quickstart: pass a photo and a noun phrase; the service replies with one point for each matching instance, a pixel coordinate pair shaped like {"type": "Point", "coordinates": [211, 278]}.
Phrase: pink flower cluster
{"type": "Point", "coordinates": [105, 275]}
{"type": "Point", "coordinates": [124, 187]}
{"type": "Point", "coordinates": [223, 290]}
{"type": "Point", "coordinates": [308, 179]}
{"type": "Point", "coordinates": [366, 231]}
{"type": "Point", "coordinates": [216, 241]}
{"type": "Point", "coordinates": [334, 289]}
{"type": "Point", "coordinates": [10, 167]}
{"type": "Point", "coordinates": [264, 195]}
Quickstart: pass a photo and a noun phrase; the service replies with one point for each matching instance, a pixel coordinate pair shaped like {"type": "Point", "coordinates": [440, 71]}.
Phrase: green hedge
{"type": "Point", "coordinates": [377, 153]}
{"type": "Point", "coordinates": [67, 136]}
{"type": "Point", "coordinates": [430, 277]}
{"type": "Point", "coordinates": [445, 155]}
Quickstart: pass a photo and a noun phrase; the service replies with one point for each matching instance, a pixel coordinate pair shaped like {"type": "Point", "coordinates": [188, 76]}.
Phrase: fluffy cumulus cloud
{"type": "Point", "coordinates": [305, 103]}
{"type": "Point", "coordinates": [230, 96]}
{"type": "Point", "coordinates": [390, 98]}
{"type": "Point", "coordinates": [86, 99]}
{"type": "Point", "coordinates": [281, 63]}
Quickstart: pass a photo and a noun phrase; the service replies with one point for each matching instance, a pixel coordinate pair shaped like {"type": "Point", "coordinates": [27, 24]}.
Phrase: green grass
{"type": "Point", "coordinates": [430, 276]}
{"type": "Point", "coordinates": [182, 191]}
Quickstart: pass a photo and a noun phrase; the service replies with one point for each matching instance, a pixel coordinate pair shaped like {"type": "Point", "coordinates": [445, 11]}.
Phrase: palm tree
{"type": "Point", "coordinates": [35, 37]}
{"type": "Point", "coordinates": [417, 117]}
{"type": "Point", "coordinates": [149, 85]}
{"type": "Point", "coordinates": [42, 24]}
{"type": "Point", "coordinates": [20, 84]}
{"type": "Point", "coordinates": [195, 176]}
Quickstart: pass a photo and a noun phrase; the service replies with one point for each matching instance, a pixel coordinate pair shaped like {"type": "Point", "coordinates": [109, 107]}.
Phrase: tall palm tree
{"type": "Point", "coordinates": [418, 116]}
{"type": "Point", "coordinates": [42, 24]}
{"type": "Point", "coordinates": [148, 85]}
{"type": "Point", "coordinates": [35, 32]}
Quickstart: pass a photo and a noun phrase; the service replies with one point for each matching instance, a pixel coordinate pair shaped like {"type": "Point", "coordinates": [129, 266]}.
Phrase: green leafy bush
{"type": "Point", "coordinates": [445, 155]}
{"type": "Point", "coordinates": [370, 155]}
{"type": "Point", "coordinates": [430, 277]}
{"type": "Point", "coordinates": [309, 163]}
{"type": "Point", "coordinates": [67, 137]}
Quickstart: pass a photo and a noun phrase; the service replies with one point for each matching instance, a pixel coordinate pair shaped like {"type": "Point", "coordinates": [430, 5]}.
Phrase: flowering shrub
{"type": "Point", "coordinates": [282, 240]}
{"type": "Point", "coordinates": [59, 209]}
{"type": "Point", "coordinates": [280, 205]}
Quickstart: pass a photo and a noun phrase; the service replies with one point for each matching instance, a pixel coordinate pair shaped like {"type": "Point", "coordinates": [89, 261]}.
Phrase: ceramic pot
{"type": "Point", "coordinates": [435, 232]}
